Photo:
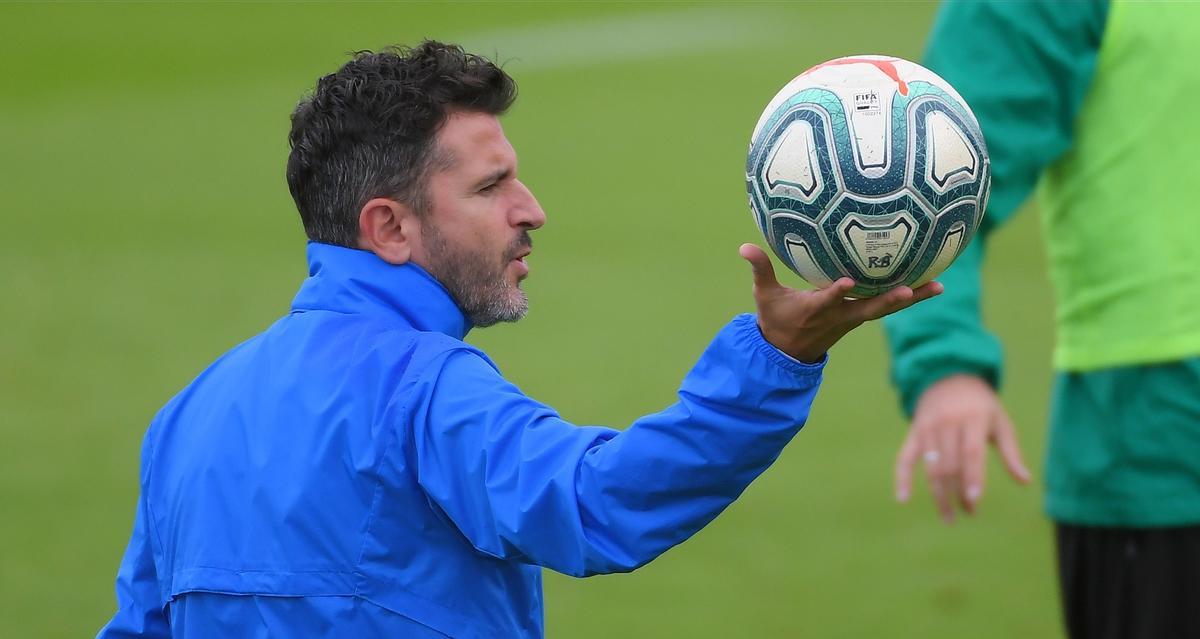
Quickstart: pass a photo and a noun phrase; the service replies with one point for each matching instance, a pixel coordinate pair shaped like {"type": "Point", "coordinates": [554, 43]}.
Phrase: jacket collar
{"type": "Point", "coordinates": [347, 280]}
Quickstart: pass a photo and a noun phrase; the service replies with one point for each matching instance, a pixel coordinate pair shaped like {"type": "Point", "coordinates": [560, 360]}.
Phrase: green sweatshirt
{"type": "Point", "coordinates": [1091, 105]}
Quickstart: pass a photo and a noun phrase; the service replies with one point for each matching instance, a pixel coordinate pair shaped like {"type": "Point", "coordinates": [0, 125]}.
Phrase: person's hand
{"type": "Point", "coordinates": [954, 421]}
{"type": "Point", "coordinates": [805, 324]}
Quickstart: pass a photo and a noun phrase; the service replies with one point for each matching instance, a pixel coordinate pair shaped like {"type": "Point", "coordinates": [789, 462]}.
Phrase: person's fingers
{"type": "Point", "coordinates": [1005, 437]}
{"type": "Point", "coordinates": [760, 264]}
{"type": "Point", "coordinates": [974, 465]}
{"type": "Point", "coordinates": [835, 294]}
{"type": "Point", "coordinates": [934, 475]}
{"type": "Point", "coordinates": [949, 462]}
{"type": "Point", "coordinates": [949, 440]}
{"type": "Point", "coordinates": [880, 305]}
{"type": "Point", "coordinates": [910, 451]}
{"type": "Point", "coordinates": [941, 494]}
{"type": "Point", "coordinates": [926, 291]}
{"type": "Point", "coordinates": [905, 297]}
{"type": "Point", "coordinates": [896, 299]}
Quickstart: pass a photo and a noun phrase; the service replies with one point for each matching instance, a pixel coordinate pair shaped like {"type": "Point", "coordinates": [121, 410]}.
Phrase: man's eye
{"type": "Point", "coordinates": [489, 188]}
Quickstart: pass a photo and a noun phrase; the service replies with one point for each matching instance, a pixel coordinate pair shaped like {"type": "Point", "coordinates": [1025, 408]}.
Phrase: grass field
{"type": "Point", "coordinates": [147, 228]}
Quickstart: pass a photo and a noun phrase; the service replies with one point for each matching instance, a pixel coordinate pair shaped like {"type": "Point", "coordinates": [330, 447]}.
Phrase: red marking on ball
{"type": "Point", "coordinates": [885, 66]}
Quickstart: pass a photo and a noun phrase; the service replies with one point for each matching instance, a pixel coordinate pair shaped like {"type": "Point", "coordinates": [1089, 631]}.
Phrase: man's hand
{"type": "Point", "coordinates": [953, 421]}
{"type": "Point", "coordinates": [804, 324]}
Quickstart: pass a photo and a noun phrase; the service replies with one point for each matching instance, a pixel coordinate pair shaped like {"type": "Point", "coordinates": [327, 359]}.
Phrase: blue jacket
{"type": "Point", "coordinates": [357, 470]}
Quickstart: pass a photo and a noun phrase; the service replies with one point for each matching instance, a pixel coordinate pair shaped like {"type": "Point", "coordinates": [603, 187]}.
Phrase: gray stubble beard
{"type": "Point", "coordinates": [477, 286]}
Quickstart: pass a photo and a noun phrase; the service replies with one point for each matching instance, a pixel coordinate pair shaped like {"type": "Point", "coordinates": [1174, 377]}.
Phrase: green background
{"type": "Point", "coordinates": [146, 228]}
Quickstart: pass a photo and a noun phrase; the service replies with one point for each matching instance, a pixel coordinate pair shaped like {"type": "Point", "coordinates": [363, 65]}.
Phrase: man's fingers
{"type": "Point", "coordinates": [926, 291]}
{"type": "Point", "coordinates": [760, 264]}
{"type": "Point", "coordinates": [897, 299]}
{"type": "Point", "coordinates": [834, 293]}
{"type": "Point", "coordinates": [1006, 440]}
{"type": "Point", "coordinates": [905, 460]}
{"type": "Point", "coordinates": [883, 304]}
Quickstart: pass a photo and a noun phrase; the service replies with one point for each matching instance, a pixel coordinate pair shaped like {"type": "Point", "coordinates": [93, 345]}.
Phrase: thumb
{"type": "Point", "coordinates": [760, 264]}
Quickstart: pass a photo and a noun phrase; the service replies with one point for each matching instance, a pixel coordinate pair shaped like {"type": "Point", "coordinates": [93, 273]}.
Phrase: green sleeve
{"type": "Point", "coordinates": [1024, 67]}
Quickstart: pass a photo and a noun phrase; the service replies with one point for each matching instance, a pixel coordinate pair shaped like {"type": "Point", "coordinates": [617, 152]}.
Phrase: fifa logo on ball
{"type": "Point", "coordinates": [868, 101]}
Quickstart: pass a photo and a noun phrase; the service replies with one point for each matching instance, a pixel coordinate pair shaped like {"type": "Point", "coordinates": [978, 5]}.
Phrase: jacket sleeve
{"type": "Point", "coordinates": [1024, 69]}
{"type": "Point", "coordinates": [521, 483]}
{"type": "Point", "coordinates": [139, 602]}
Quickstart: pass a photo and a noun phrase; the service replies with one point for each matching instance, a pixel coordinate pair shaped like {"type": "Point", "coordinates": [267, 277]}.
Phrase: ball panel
{"type": "Point", "coordinates": [871, 131]}
{"type": "Point", "coordinates": [804, 262]}
{"type": "Point", "coordinates": [813, 263]}
{"type": "Point", "coordinates": [986, 190]}
{"type": "Point", "coordinates": [758, 208]}
{"type": "Point", "coordinates": [875, 130]}
{"type": "Point", "coordinates": [877, 244]}
{"type": "Point", "coordinates": [949, 159]}
{"type": "Point", "coordinates": [960, 215]}
{"type": "Point", "coordinates": [951, 129]}
{"type": "Point", "coordinates": [792, 168]}
{"type": "Point", "coordinates": [952, 243]}
{"type": "Point", "coordinates": [762, 173]}
{"type": "Point", "coordinates": [905, 224]}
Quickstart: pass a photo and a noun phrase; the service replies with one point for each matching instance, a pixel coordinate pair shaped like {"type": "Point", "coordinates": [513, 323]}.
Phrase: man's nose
{"type": "Point", "coordinates": [527, 212]}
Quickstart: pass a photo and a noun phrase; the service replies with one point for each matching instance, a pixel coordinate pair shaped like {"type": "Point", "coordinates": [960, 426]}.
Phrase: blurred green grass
{"type": "Point", "coordinates": [146, 228]}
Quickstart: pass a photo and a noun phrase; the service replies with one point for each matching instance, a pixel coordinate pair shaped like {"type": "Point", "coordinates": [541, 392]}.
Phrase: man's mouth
{"type": "Point", "coordinates": [523, 247]}
{"type": "Point", "coordinates": [522, 265]}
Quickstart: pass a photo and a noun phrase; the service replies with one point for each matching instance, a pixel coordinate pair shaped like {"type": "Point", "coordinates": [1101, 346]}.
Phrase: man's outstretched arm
{"type": "Point", "coordinates": [521, 483]}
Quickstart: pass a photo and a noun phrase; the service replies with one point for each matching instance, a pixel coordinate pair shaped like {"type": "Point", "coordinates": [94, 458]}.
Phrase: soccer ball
{"type": "Point", "coordinates": [870, 167]}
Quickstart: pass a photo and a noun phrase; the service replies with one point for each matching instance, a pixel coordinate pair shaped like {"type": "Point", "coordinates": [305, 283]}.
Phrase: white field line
{"type": "Point", "coordinates": [635, 36]}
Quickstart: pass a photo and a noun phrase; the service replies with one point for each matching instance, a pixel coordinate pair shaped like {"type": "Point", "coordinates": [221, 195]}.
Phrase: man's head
{"type": "Point", "coordinates": [401, 153]}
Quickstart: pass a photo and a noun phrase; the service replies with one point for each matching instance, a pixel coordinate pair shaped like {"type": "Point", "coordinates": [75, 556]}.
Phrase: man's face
{"type": "Point", "coordinates": [475, 236]}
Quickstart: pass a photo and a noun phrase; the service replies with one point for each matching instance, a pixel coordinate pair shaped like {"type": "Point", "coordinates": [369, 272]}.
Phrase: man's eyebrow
{"type": "Point", "coordinates": [495, 176]}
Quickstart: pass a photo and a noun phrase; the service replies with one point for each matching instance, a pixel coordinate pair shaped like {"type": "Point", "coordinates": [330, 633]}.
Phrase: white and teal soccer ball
{"type": "Point", "coordinates": [870, 167]}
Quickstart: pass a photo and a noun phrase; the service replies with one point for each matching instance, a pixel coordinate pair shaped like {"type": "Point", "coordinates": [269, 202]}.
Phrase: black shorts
{"type": "Point", "coordinates": [1130, 583]}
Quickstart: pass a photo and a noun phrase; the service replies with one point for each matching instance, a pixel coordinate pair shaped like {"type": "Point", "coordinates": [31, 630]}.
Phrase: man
{"type": "Point", "coordinates": [1083, 97]}
{"type": "Point", "coordinates": [358, 470]}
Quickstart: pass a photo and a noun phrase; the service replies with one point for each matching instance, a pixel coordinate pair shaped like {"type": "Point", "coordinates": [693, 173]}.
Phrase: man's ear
{"type": "Point", "coordinates": [388, 229]}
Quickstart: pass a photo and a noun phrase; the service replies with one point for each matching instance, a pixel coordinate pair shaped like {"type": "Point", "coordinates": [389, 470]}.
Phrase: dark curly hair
{"type": "Point", "coordinates": [368, 130]}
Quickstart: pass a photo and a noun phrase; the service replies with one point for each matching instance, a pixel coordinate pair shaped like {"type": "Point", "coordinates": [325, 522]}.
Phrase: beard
{"type": "Point", "coordinates": [477, 284]}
